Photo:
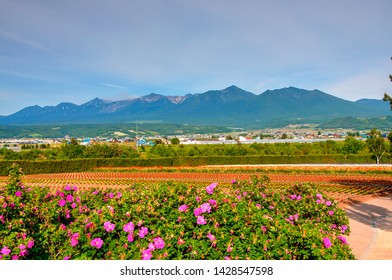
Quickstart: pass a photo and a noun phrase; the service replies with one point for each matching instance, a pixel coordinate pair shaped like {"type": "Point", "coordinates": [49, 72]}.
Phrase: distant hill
{"type": "Point", "coordinates": [383, 123]}
{"type": "Point", "coordinates": [231, 106]}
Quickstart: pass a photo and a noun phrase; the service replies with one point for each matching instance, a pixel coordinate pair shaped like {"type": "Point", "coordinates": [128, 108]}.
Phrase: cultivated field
{"type": "Point", "coordinates": [341, 182]}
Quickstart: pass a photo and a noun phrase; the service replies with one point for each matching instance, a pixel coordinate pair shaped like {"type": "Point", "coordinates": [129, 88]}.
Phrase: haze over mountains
{"type": "Point", "coordinates": [231, 106]}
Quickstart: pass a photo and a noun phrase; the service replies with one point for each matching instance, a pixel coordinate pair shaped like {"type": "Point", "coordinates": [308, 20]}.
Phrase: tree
{"type": "Point", "coordinates": [175, 141]}
{"type": "Point", "coordinates": [376, 144]}
{"type": "Point", "coordinates": [386, 96]}
{"type": "Point", "coordinates": [352, 146]}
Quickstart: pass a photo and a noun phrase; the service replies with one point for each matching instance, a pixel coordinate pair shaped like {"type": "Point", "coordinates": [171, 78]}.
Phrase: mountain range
{"type": "Point", "coordinates": [231, 106]}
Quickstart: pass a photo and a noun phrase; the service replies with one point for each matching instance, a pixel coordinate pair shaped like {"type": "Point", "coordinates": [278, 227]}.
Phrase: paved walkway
{"type": "Point", "coordinates": [371, 228]}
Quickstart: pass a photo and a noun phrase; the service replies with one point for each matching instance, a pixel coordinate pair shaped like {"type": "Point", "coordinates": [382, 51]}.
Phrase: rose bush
{"type": "Point", "coordinates": [244, 220]}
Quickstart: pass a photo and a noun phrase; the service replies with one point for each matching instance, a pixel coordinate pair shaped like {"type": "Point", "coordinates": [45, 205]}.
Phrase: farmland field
{"type": "Point", "coordinates": [341, 182]}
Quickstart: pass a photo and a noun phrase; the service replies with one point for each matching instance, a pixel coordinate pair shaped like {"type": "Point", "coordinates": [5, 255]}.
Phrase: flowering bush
{"type": "Point", "coordinates": [244, 220]}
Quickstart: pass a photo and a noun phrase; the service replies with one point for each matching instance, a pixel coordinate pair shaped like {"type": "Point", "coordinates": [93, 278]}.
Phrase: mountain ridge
{"type": "Point", "coordinates": [231, 106]}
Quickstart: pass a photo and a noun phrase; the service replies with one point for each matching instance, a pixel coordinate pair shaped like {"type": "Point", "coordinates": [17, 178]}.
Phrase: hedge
{"type": "Point", "coordinates": [75, 165]}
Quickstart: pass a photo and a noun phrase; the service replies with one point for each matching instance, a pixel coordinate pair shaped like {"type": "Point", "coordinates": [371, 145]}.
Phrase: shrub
{"type": "Point", "coordinates": [244, 220]}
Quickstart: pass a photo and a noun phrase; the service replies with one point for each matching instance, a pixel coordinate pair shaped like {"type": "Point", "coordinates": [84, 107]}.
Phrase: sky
{"type": "Point", "coordinates": [76, 50]}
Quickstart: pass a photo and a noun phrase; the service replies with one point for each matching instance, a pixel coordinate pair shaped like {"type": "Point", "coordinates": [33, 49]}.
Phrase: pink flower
{"type": "Point", "coordinates": [205, 207]}
{"type": "Point", "coordinates": [69, 198]}
{"type": "Point", "coordinates": [62, 202]}
{"type": "Point", "coordinates": [211, 237]}
{"type": "Point", "coordinates": [111, 195]}
{"type": "Point", "coordinates": [146, 254]}
{"type": "Point", "coordinates": [97, 243]}
{"type": "Point", "coordinates": [327, 243]}
{"type": "Point", "coordinates": [18, 193]}
{"type": "Point", "coordinates": [293, 196]}
{"type": "Point", "coordinates": [258, 206]}
{"type": "Point", "coordinates": [233, 181]}
{"type": "Point", "coordinates": [5, 251]}
{"type": "Point", "coordinates": [229, 249]}
{"type": "Point", "coordinates": [201, 220]}
{"type": "Point", "coordinates": [159, 243]}
{"type": "Point", "coordinates": [73, 205]}
{"type": "Point", "coordinates": [109, 226]}
{"type": "Point", "coordinates": [180, 241]}
{"type": "Point", "coordinates": [341, 238]}
{"type": "Point", "coordinates": [66, 258]}
{"type": "Point", "coordinates": [30, 243]}
{"type": "Point", "coordinates": [330, 213]}
{"type": "Point", "coordinates": [23, 253]}
{"type": "Point", "coordinates": [143, 231]}
{"type": "Point", "coordinates": [74, 242]}
{"type": "Point", "coordinates": [263, 229]}
{"type": "Point", "coordinates": [183, 208]}
{"type": "Point", "coordinates": [130, 237]}
{"type": "Point", "coordinates": [89, 225]}
{"type": "Point", "coordinates": [344, 228]}
{"type": "Point", "coordinates": [328, 203]}
{"type": "Point", "coordinates": [119, 195]}
{"type": "Point", "coordinates": [129, 227]}
{"type": "Point", "coordinates": [212, 202]}
{"type": "Point", "coordinates": [151, 247]}
{"type": "Point", "coordinates": [197, 212]}
{"type": "Point", "coordinates": [15, 257]}
{"type": "Point", "coordinates": [210, 188]}
{"type": "Point", "coordinates": [67, 188]}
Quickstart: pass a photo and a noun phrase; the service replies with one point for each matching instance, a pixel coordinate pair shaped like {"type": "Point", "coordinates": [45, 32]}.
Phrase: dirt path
{"type": "Point", "coordinates": [371, 228]}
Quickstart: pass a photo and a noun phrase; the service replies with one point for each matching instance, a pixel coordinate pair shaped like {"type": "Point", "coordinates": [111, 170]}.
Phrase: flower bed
{"type": "Point", "coordinates": [246, 220]}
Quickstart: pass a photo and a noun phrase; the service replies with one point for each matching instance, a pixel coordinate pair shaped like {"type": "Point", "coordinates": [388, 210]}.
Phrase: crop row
{"type": "Point", "coordinates": [340, 187]}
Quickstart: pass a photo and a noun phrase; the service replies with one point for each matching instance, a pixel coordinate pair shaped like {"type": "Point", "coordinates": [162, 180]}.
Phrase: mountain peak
{"type": "Point", "coordinates": [152, 97]}
{"type": "Point", "coordinates": [231, 88]}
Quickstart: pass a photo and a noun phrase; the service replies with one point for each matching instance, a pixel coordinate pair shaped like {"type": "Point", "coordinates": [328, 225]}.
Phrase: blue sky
{"type": "Point", "coordinates": [76, 50]}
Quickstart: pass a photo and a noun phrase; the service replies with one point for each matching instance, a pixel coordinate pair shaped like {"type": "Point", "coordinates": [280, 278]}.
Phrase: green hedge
{"type": "Point", "coordinates": [49, 166]}
{"type": "Point", "coordinates": [75, 165]}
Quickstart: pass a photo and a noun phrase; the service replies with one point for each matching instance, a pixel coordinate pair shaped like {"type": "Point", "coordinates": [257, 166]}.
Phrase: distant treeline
{"type": "Point", "coordinates": [71, 151]}
{"type": "Point", "coordinates": [329, 147]}
{"type": "Point", "coordinates": [73, 157]}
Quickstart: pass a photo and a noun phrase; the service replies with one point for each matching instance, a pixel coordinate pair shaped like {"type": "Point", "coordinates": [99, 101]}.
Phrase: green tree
{"type": "Point", "coordinates": [175, 141]}
{"type": "Point", "coordinates": [386, 96]}
{"type": "Point", "coordinates": [376, 144]}
{"type": "Point", "coordinates": [352, 146]}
